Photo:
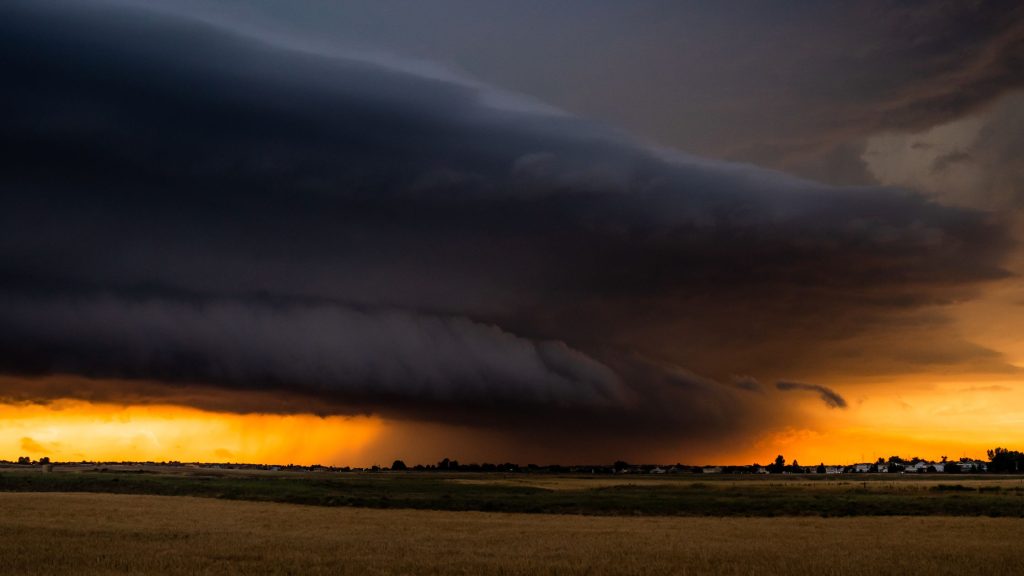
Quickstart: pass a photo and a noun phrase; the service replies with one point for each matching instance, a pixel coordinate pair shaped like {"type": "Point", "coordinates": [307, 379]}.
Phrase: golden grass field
{"type": "Point", "coordinates": [59, 533]}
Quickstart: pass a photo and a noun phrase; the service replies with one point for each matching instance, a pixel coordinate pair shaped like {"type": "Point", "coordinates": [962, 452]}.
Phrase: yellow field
{"type": "Point", "coordinates": [110, 534]}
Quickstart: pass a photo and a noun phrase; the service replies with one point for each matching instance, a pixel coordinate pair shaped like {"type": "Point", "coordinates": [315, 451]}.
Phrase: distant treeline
{"type": "Point", "coordinates": [1000, 461]}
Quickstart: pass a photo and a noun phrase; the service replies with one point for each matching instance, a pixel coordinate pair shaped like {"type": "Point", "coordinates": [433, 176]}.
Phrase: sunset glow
{"type": "Point", "coordinates": [70, 430]}
{"type": "Point", "coordinates": [956, 419]}
{"type": "Point", "coordinates": [963, 418]}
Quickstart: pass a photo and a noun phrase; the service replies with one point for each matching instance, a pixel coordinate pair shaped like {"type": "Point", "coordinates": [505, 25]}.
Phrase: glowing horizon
{"type": "Point", "coordinates": [73, 430]}
{"type": "Point", "coordinates": [954, 419]}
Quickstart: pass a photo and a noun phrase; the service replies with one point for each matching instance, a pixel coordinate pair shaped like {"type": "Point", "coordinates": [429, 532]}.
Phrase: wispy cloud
{"type": "Point", "coordinates": [830, 397]}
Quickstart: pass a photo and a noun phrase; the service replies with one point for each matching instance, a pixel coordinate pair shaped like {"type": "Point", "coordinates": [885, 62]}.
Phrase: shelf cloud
{"type": "Point", "coordinates": [186, 204]}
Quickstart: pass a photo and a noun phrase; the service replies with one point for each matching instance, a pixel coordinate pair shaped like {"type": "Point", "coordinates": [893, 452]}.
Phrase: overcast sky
{"type": "Point", "coordinates": [671, 226]}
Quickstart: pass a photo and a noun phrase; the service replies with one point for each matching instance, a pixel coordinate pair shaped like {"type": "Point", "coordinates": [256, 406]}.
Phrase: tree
{"type": "Point", "coordinates": [1004, 461]}
{"type": "Point", "coordinates": [24, 460]}
{"type": "Point", "coordinates": [821, 468]}
{"type": "Point", "coordinates": [778, 466]}
{"type": "Point", "coordinates": [44, 460]}
{"type": "Point", "coordinates": [399, 465]}
{"type": "Point", "coordinates": [620, 465]}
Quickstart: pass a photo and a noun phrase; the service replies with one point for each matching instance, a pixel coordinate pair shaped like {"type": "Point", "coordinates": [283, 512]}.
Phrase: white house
{"type": "Point", "coordinates": [973, 466]}
{"type": "Point", "coordinates": [915, 468]}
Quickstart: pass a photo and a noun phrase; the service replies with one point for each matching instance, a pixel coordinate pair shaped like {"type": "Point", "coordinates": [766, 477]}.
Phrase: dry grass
{"type": "Point", "coordinates": [684, 495]}
{"type": "Point", "coordinates": [873, 482]}
{"type": "Point", "coordinates": [560, 483]}
{"type": "Point", "coordinates": [112, 534]}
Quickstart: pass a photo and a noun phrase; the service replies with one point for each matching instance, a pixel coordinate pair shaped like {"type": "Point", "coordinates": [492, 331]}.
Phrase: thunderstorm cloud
{"type": "Point", "coordinates": [188, 204]}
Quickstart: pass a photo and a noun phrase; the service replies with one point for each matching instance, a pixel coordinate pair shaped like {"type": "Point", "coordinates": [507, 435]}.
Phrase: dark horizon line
{"type": "Point", "coordinates": [456, 466]}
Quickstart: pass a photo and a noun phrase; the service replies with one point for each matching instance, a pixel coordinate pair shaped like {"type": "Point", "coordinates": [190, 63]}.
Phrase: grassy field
{"type": "Point", "coordinates": [55, 533]}
{"type": "Point", "coordinates": [862, 495]}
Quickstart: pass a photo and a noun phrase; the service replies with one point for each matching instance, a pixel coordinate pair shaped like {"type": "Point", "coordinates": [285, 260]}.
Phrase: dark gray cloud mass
{"type": "Point", "coordinates": [794, 85]}
{"type": "Point", "coordinates": [830, 397]}
{"type": "Point", "coordinates": [183, 203]}
{"type": "Point", "coordinates": [308, 348]}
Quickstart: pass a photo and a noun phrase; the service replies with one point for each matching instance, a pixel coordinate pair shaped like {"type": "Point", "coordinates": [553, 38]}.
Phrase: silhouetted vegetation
{"type": "Point", "coordinates": [1003, 461]}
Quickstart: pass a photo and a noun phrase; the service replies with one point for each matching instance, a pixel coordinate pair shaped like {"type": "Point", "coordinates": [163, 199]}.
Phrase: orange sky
{"type": "Point", "coordinates": [916, 418]}
{"type": "Point", "coordinates": [956, 418]}
{"type": "Point", "coordinates": [75, 430]}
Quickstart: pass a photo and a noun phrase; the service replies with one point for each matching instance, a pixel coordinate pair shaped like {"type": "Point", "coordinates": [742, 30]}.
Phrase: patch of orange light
{"type": "Point", "coordinates": [71, 430]}
{"type": "Point", "coordinates": [914, 418]}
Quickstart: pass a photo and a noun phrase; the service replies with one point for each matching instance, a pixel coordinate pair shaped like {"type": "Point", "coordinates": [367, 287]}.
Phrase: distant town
{"type": "Point", "coordinates": [1000, 461]}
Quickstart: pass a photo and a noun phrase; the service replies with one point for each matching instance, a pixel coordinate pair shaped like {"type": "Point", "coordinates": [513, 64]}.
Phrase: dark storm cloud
{"type": "Point", "coordinates": [322, 349]}
{"type": "Point", "coordinates": [830, 397]}
{"type": "Point", "coordinates": [747, 383]}
{"type": "Point", "coordinates": [792, 85]}
{"type": "Point", "coordinates": [968, 53]}
{"type": "Point", "coordinates": [864, 68]}
{"type": "Point", "coordinates": [181, 203]}
{"type": "Point", "coordinates": [946, 160]}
